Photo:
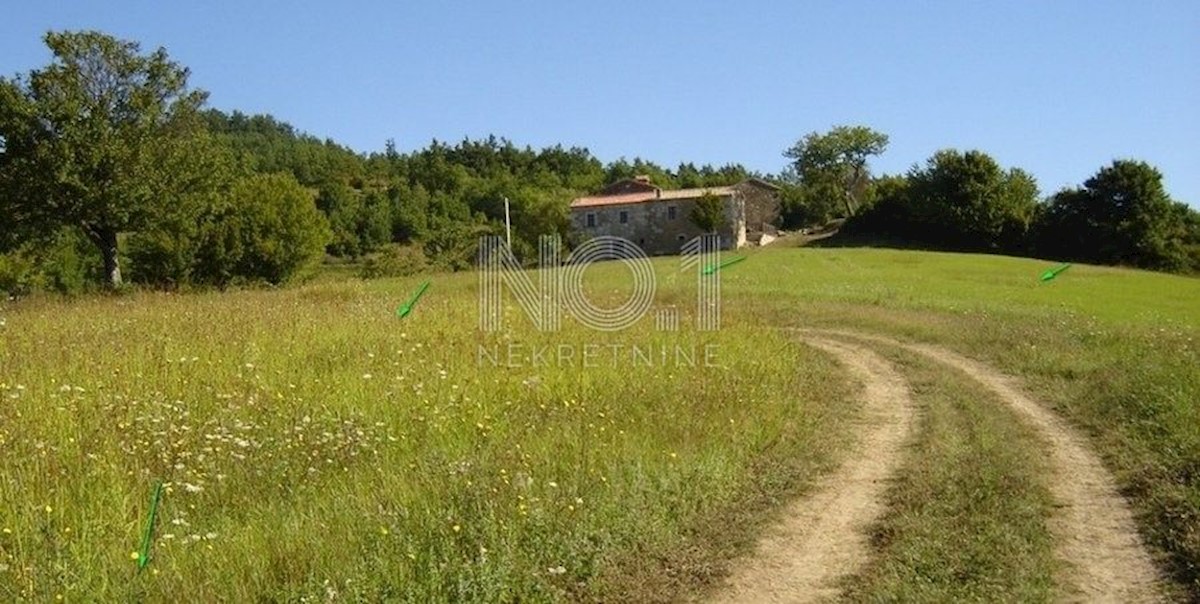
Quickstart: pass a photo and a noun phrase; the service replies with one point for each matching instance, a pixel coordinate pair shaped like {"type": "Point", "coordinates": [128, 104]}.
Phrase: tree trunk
{"type": "Point", "coordinates": [846, 200]}
{"type": "Point", "coordinates": [112, 264]}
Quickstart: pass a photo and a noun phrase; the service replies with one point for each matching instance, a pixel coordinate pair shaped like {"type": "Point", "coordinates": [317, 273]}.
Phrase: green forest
{"type": "Point", "coordinates": [115, 172]}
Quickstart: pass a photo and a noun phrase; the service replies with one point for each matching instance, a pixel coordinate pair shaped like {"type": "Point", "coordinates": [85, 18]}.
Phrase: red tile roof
{"type": "Point", "coordinates": [643, 197]}
{"type": "Point", "coordinates": [612, 200]}
{"type": "Point", "coordinates": [696, 193]}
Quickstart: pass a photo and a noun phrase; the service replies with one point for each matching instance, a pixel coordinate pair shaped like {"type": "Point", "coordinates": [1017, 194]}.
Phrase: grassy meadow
{"type": "Point", "coordinates": [318, 448]}
{"type": "Point", "coordinates": [1114, 351]}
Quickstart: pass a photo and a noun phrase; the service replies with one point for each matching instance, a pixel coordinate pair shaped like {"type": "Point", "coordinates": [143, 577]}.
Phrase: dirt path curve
{"type": "Point", "coordinates": [1094, 527]}
{"type": "Point", "coordinates": [823, 537]}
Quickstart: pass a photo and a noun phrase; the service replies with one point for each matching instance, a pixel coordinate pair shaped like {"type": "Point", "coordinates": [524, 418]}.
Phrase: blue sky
{"type": "Point", "coordinates": [1057, 88]}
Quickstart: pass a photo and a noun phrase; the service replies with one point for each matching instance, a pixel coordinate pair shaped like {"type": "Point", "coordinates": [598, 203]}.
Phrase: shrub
{"type": "Point", "coordinates": [18, 274]}
{"type": "Point", "coordinates": [62, 263]}
{"type": "Point", "coordinates": [270, 231]}
{"type": "Point", "coordinates": [709, 213]}
{"type": "Point", "coordinates": [395, 260]}
{"type": "Point", "coordinates": [163, 256]}
{"type": "Point", "coordinates": [266, 228]}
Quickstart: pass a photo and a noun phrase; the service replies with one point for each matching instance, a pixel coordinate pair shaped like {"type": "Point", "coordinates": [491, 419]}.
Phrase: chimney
{"type": "Point", "coordinates": [642, 178]}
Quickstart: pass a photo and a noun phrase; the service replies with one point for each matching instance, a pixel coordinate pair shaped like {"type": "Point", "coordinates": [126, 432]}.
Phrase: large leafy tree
{"type": "Point", "coordinates": [965, 200]}
{"type": "Point", "coordinates": [1121, 215]}
{"type": "Point", "coordinates": [958, 200]}
{"type": "Point", "coordinates": [834, 164]}
{"type": "Point", "coordinates": [97, 140]}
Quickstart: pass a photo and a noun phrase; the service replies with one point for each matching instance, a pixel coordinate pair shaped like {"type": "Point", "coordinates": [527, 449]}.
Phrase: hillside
{"type": "Point", "coordinates": [322, 445]}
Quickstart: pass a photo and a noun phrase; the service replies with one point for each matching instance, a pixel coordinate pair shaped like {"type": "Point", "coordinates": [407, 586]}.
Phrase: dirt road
{"type": "Point", "coordinates": [823, 536]}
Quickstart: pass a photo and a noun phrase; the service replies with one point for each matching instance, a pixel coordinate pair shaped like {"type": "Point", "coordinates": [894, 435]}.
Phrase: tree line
{"type": "Point", "coordinates": [965, 201]}
{"type": "Point", "coordinates": [112, 170]}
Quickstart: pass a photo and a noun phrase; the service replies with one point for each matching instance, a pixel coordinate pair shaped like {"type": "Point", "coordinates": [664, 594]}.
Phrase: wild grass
{"type": "Point", "coordinates": [967, 516]}
{"type": "Point", "coordinates": [315, 447]}
{"type": "Point", "coordinates": [1115, 351]}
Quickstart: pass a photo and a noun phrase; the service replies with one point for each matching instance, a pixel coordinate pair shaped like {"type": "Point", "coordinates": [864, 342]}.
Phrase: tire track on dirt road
{"type": "Point", "coordinates": [1094, 528]}
{"type": "Point", "coordinates": [823, 537]}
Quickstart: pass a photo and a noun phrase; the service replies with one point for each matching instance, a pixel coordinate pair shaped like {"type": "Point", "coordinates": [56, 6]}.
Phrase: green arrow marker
{"type": "Point", "coordinates": [710, 269]}
{"type": "Point", "coordinates": [1052, 273]}
{"type": "Point", "coordinates": [144, 555]}
{"type": "Point", "coordinates": [407, 307]}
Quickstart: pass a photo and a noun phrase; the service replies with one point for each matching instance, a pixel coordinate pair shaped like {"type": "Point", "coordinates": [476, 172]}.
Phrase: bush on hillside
{"type": "Point", "coordinates": [269, 231]}
{"type": "Point", "coordinates": [1121, 215]}
{"type": "Point", "coordinates": [63, 263]}
{"type": "Point", "coordinates": [394, 260]}
{"type": "Point", "coordinates": [266, 229]}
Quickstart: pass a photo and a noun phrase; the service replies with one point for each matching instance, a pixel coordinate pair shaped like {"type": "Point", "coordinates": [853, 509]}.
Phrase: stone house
{"type": "Point", "coordinates": [659, 221]}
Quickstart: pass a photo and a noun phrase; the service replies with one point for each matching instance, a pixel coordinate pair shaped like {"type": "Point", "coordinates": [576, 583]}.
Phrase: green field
{"type": "Point", "coordinates": [317, 447]}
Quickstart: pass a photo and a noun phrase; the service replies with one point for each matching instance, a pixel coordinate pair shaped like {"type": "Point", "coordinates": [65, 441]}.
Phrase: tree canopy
{"type": "Point", "coordinates": [834, 164]}
{"type": "Point", "coordinates": [1121, 215]}
{"type": "Point", "coordinates": [111, 167]}
{"type": "Point", "coordinates": [966, 201]}
{"type": "Point", "coordinates": [108, 145]}
{"type": "Point", "coordinates": [96, 139]}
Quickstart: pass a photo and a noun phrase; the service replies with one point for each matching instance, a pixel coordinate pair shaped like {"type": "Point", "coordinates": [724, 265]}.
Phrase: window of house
{"type": "Point", "coordinates": [670, 212]}
{"type": "Point", "coordinates": [623, 217]}
{"type": "Point", "coordinates": [591, 219]}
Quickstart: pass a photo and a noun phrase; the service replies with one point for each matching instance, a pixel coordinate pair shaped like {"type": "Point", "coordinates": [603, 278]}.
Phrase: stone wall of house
{"type": "Point", "coordinates": [651, 226]}
{"type": "Point", "coordinates": [762, 206]}
{"type": "Point", "coordinates": [735, 218]}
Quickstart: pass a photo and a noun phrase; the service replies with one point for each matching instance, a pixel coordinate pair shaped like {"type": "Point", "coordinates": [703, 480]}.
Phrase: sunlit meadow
{"type": "Point", "coordinates": [316, 447]}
